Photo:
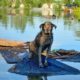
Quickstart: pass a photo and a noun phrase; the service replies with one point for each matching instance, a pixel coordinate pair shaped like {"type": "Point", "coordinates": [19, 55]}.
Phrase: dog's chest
{"type": "Point", "coordinates": [44, 40]}
{"type": "Point", "coordinates": [48, 39]}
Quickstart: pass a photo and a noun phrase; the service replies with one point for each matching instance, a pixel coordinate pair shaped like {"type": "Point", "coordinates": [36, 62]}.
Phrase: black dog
{"type": "Point", "coordinates": [43, 41]}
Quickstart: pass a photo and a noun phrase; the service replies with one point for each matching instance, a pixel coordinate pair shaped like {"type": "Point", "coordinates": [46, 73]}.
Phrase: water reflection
{"type": "Point", "coordinates": [48, 10]}
{"type": "Point", "coordinates": [18, 22]}
{"type": "Point", "coordinates": [15, 18]}
{"type": "Point", "coordinates": [3, 17]}
{"type": "Point", "coordinates": [18, 18]}
{"type": "Point", "coordinates": [21, 11]}
{"type": "Point", "coordinates": [37, 78]}
{"type": "Point", "coordinates": [12, 11]}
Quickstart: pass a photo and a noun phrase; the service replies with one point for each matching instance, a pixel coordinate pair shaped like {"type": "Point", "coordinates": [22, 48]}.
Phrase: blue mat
{"type": "Point", "coordinates": [29, 67]}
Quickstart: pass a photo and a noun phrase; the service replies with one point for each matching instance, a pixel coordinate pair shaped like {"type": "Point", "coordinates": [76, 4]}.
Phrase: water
{"type": "Point", "coordinates": [25, 28]}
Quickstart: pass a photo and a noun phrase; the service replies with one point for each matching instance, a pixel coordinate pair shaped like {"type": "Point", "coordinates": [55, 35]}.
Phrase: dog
{"type": "Point", "coordinates": [43, 41]}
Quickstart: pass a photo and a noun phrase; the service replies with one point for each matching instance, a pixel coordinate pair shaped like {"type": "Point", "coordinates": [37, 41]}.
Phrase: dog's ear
{"type": "Point", "coordinates": [53, 25]}
{"type": "Point", "coordinates": [42, 25]}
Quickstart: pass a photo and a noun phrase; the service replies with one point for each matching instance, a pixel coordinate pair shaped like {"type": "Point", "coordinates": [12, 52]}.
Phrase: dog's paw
{"type": "Point", "coordinates": [41, 65]}
{"type": "Point", "coordinates": [46, 64]}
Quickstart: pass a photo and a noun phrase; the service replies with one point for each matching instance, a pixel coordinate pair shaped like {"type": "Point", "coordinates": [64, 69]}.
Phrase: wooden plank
{"type": "Point", "coordinates": [4, 42]}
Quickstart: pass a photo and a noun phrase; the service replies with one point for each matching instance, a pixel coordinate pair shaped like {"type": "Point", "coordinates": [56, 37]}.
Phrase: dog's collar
{"type": "Point", "coordinates": [42, 33]}
{"type": "Point", "coordinates": [47, 34]}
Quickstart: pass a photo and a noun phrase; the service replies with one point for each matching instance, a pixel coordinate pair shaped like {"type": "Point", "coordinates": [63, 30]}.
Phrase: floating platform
{"type": "Point", "coordinates": [25, 66]}
{"type": "Point", "coordinates": [30, 68]}
{"type": "Point", "coordinates": [73, 58]}
{"type": "Point", "coordinates": [16, 54]}
{"type": "Point", "coordinates": [13, 57]}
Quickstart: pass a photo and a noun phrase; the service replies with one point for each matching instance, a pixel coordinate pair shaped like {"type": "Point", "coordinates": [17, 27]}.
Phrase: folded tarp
{"type": "Point", "coordinates": [30, 68]}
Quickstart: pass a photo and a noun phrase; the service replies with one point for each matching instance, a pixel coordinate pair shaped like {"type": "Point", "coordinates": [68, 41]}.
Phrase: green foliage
{"type": "Point", "coordinates": [35, 3]}
{"type": "Point", "coordinates": [77, 2]}
{"type": "Point", "coordinates": [3, 17]}
{"type": "Point", "coordinates": [27, 3]}
{"type": "Point", "coordinates": [3, 3]}
{"type": "Point", "coordinates": [76, 12]}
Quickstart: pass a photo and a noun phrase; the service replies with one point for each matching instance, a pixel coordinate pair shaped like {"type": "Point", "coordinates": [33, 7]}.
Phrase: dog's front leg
{"type": "Point", "coordinates": [39, 55]}
{"type": "Point", "coordinates": [48, 51]}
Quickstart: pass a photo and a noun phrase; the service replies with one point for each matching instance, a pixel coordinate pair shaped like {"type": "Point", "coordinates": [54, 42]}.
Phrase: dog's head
{"type": "Point", "coordinates": [47, 27]}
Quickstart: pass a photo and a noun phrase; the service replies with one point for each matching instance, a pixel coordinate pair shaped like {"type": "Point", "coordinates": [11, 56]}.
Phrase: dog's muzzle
{"type": "Point", "coordinates": [47, 32]}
